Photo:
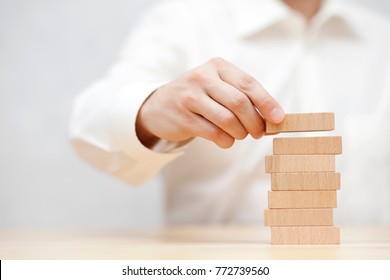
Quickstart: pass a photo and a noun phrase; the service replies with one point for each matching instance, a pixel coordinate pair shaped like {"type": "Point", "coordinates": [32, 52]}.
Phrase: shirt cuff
{"type": "Point", "coordinates": [165, 146]}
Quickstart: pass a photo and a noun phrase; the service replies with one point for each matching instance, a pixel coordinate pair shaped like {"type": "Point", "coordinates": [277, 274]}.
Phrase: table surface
{"type": "Point", "coordinates": [237, 242]}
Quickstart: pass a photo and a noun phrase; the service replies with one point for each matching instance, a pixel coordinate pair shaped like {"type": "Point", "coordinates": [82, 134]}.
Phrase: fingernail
{"type": "Point", "coordinates": [276, 115]}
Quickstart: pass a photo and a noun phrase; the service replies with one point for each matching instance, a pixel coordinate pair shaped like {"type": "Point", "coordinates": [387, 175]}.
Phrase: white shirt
{"type": "Point", "coordinates": [339, 63]}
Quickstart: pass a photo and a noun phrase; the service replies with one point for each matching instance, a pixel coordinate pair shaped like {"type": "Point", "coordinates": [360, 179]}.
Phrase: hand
{"type": "Point", "coordinates": [216, 101]}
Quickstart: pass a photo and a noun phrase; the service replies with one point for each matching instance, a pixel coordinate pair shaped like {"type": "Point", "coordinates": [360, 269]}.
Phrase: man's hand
{"type": "Point", "coordinates": [216, 101]}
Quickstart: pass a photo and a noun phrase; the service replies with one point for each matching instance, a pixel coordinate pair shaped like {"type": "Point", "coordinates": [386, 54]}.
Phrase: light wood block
{"type": "Point", "coordinates": [331, 145]}
{"type": "Point", "coordinates": [298, 217]}
{"type": "Point", "coordinates": [300, 163]}
{"type": "Point", "coordinates": [302, 122]}
{"type": "Point", "coordinates": [305, 181]}
{"type": "Point", "coordinates": [305, 235]}
{"type": "Point", "coordinates": [302, 199]}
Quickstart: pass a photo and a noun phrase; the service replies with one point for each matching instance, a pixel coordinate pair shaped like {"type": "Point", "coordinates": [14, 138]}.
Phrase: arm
{"type": "Point", "coordinates": [116, 121]}
{"type": "Point", "coordinates": [102, 126]}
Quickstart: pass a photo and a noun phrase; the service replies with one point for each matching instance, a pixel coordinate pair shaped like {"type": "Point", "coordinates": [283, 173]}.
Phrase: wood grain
{"type": "Point", "coordinates": [302, 122]}
{"type": "Point", "coordinates": [331, 145]}
{"type": "Point", "coordinates": [305, 235]}
{"type": "Point", "coordinates": [298, 217]}
{"type": "Point", "coordinates": [305, 181]}
{"type": "Point", "coordinates": [302, 199]}
{"type": "Point", "coordinates": [300, 163]}
{"type": "Point", "coordinates": [186, 242]}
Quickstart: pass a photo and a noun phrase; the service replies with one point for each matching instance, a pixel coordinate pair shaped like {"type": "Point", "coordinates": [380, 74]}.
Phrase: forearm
{"type": "Point", "coordinates": [102, 130]}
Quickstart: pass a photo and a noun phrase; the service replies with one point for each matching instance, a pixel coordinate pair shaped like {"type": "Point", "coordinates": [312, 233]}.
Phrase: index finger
{"type": "Point", "coordinates": [268, 107]}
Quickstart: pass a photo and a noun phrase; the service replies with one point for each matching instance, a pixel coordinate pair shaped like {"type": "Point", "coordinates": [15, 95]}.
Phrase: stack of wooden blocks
{"type": "Point", "coordinates": [303, 182]}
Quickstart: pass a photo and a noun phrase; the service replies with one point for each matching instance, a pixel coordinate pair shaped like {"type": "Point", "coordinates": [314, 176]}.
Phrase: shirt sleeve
{"type": "Point", "coordinates": [102, 126]}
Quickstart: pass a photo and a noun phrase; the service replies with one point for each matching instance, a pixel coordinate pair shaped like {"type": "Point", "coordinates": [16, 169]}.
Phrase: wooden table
{"type": "Point", "coordinates": [187, 243]}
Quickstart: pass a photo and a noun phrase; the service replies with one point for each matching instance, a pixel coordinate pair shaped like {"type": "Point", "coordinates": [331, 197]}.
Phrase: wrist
{"type": "Point", "coordinates": [147, 138]}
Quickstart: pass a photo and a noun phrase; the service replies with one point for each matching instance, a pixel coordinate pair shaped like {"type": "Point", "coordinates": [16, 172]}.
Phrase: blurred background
{"type": "Point", "coordinates": [50, 50]}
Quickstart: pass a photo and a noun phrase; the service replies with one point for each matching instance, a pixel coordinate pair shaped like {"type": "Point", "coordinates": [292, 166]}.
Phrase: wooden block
{"type": "Point", "coordinates": [305, 235]}
{"type": "Point", "coordinates": [302, 122]}
{"type": "Point", "coordinates": [298, 217]}
{"type": "Point", "coordinates": [302, 199]}
{"type": "Point", "coordinates": [305, 181]}
{"type": "Point", "coordinates": [330, 145]}
{"type": "Point", "coordinates": [300, 163]}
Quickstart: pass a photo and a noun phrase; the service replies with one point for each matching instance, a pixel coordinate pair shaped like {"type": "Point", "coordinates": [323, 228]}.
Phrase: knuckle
{"type": "Point", "coordinates": [215, 133]}
{"type": "Point", "coordinates": [221, 138]}
{"type": "Point", "coordinates": [217, 61]}
{"type": "Point", "coordinates": [227, 119]}
{"type": "Point", "coordinates": [188, 98]}
{"type": "Point", "coordinates": [246, 83]}
{"type": "Point", "coordinates": [238, 101]}
{"type": "Point", "coordinates": [197, 76]}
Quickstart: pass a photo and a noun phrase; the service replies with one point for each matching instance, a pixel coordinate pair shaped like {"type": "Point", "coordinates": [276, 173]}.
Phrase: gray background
{"type": "Point", "coordinates": [50, 50]}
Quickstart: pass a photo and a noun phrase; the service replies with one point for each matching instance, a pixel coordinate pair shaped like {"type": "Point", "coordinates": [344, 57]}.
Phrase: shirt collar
{"type": "Point", "coordinates": [253, 16]}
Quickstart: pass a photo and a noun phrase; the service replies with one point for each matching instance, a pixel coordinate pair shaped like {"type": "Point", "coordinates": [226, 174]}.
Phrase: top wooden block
{"type": "Point", "coordinates": [302, 122]}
